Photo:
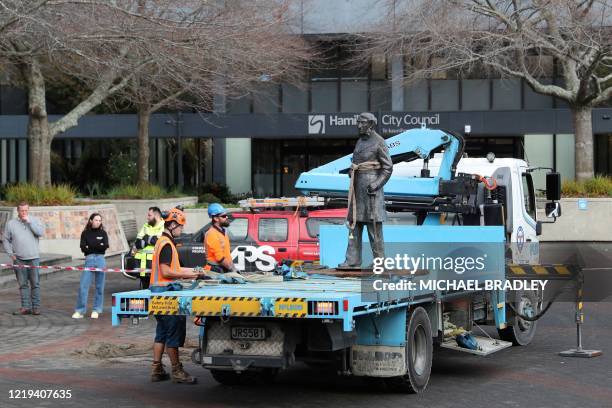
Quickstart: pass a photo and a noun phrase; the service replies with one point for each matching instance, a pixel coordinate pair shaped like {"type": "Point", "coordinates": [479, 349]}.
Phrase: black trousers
{"type": "Point", "coordinates": [375, 235]}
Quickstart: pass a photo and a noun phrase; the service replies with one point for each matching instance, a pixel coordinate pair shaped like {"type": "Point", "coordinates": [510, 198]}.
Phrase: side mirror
{"type": "Point", "coordinates": [553, 186]}
{"type": "Point", "coordinates": [553, 210]}
{"type": "Point", "coordinates": [538, 228]}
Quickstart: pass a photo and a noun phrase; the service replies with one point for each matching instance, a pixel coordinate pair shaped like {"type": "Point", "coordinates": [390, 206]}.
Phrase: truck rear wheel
{"type": "Point", "coordinates": [519, 331]}
{"type": "Point", "coordinates": [419, 353]}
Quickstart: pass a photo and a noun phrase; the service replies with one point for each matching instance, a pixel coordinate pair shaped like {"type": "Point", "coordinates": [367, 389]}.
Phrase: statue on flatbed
{"type": "Point", "coordinates": [370, 170]}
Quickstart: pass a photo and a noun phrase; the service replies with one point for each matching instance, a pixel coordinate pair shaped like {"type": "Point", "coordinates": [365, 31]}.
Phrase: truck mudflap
{"type": "Point", "coordinates": [378, 361]}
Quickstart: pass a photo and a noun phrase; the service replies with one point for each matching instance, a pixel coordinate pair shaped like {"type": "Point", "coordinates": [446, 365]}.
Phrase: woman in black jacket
{"type": "Point", "coordinates": [94, 243]}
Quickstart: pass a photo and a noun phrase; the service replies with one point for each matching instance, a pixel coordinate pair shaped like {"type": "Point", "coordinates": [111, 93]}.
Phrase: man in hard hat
{"type": "Point", "coordinates": [146, 239]}
{"type": "Point", "coordinates": [171, 329]}
{"type": "Point", "coordinates": [216, 241]}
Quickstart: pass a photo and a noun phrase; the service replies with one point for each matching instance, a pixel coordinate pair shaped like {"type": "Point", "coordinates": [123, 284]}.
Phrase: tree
{"type": "Point", "coordinates": [235, 44]}
{"type": "Point", "coordinates": [101, 44]}
{"type": "Point", "coordinates": [515, 38]}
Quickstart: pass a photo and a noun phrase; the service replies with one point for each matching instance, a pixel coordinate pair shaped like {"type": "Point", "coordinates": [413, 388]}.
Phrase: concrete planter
{"type": "Point", "coordinates": [139, 207]}
{"type": "Point", "coordinates": [198, 217]}
{"type": "Point", "coordinates": [64, 224]}
{"type": "Point", "coordinates": [592, 224]}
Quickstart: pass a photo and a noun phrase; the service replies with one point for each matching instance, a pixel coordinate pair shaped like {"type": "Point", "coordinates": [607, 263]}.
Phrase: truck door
{"type": "Point", "coordinates": [524, 240]}
{"type": "Point", "coordinates": [277, 235]}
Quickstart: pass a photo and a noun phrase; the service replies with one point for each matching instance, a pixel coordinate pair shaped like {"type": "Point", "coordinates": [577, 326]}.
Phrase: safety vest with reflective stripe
{"type": "Point", "coordinates": [146, 254]}
{"type": "Point", "coordinates": [217, 246]}
{"type": "Point", "coordinates": [156, 276]}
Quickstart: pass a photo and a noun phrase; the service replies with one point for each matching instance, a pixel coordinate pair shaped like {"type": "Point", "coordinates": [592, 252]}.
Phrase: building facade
{"type": "Point", "coordinates": [261, 143]}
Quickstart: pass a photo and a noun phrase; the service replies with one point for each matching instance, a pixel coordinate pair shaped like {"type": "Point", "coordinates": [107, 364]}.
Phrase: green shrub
{"type": "Point", "coordinates": [208, 198]}
{"type": "Point", "coordinates": [121, 169]}
{"type": "Point", "coordinates": [145, 191]}
{"type": "Point", "coordinates": [221, 191]}
{"type": "Point", "coordinates": [598, 186]}
{"type": "Point", "coordinates": [60, 194]}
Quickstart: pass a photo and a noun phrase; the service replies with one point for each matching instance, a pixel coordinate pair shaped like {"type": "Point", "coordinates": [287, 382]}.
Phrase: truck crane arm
{"type": "Point", "coordinates": [445, 192]}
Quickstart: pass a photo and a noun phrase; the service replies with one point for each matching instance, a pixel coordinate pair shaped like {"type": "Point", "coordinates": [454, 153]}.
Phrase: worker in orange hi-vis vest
{"type": "Point", "coordinates": [216, 241]}
{"type": "Point", "coordinates": [171, 329]}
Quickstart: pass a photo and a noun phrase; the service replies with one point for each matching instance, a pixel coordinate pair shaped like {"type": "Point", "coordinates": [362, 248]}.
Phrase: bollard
{"type": "Point", "coordinates": [579, 351]}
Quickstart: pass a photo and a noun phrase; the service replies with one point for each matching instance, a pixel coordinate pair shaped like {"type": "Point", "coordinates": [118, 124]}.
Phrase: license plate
{"type": "Point", "coordinates": [248, 333]}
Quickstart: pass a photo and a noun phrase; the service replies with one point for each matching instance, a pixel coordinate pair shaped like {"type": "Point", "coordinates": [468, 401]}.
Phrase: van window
{"type": "Point", "coordinates": [314, 224]}
{"type": "Point", "coordinates": [238, 229]}
{"type": "Point", "coordinates": [273, 229]}
{"type": "Point", "coordinates": [529, 195]}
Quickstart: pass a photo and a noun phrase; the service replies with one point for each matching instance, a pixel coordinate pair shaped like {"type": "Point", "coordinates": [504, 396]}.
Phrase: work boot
{"type": "Point", "coordinates": [181, 376]}
{"type": "Point", "coordinates": [158, 373]}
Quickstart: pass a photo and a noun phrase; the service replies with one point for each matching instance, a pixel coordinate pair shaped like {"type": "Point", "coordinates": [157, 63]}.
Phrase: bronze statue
{"type": "Point", "coordinates": [370, 169]}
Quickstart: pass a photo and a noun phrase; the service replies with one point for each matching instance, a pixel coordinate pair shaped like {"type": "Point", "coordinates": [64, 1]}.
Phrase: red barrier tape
{"type": "Point", "coordinates": [75, 268]}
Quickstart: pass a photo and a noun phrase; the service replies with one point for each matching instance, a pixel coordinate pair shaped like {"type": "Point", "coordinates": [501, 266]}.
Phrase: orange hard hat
{"type": "Point", "coordinates": [177, 215]}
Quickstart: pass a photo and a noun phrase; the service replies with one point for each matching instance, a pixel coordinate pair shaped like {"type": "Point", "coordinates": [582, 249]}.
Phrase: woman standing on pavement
{"type": "Point", "coordinates": [94, 243]}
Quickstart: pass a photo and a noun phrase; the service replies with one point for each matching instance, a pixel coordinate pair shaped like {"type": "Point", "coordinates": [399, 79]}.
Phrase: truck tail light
{"type": "Point", "coordinates": [345, 305]}
{"type": "Point", "coordinates": [114, 301]}
{"type": "Point", "coordinates": [134, 305]}
{"type": "Point", "coordinates": [324, 308]}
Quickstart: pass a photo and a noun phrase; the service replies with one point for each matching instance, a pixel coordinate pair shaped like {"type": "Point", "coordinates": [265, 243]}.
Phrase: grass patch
{"type": "Point", "coordinates": [145, 191]}
{"type": "Point", "coordinates": [60, 194]}
{"type": "Point", "coordinates": [598, 186]}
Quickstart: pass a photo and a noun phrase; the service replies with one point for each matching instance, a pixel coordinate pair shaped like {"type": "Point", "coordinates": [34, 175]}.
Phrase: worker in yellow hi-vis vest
{"type": "Point", "coordinates": [145, 241]}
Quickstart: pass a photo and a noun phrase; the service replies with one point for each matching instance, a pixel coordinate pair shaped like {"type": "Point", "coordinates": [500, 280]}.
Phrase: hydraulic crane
{"type": "Point", "coordinates": [428, 196]}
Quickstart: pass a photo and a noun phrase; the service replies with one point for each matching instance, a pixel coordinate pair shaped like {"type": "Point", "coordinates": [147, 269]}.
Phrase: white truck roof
{"type": "Point", "coordinates": [478, 165]}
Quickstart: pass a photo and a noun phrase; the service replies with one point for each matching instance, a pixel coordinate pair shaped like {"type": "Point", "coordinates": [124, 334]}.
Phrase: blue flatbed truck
{"type": "Point", "coordinates": [258, 328]}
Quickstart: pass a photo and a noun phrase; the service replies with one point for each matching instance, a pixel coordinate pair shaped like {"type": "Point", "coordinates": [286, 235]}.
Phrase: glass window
{"type": "Point", "coordinates": [380, 95]}
{"type": "Point", "coordinates": [506, 94]}
{"type": "Point", "coordinates": [475, 94]}
{"type": "Point", "coordinates": [416, 96]}
{"type": "Point", "coordinates": [354, 96]}
{"type": "Point", "coordinates": [239, 105]}
{"type": "Point", "coordinates": [324, 97]}
{"type": "Point", "coordinates": [273, 229]}
{"type": "Point", "coordinates": [314, 224]}
{"type": "Point", "coordinates": [295, 98]}
{"type": "Point", "coordinates": [238, 229]}
{"type": "Point", "coordinates": [528, 195]}
{"type": "Point", "coordinates": [328, 68]}
{"type": "Point", "coordinates": [266, 99]}
{"type": "Point", "coordinates": [444, 95]}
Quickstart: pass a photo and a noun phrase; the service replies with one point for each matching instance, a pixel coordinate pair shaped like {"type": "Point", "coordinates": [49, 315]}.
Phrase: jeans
{"type": "Point", "coordinates": [92, 261]}
{"type": "Point", "coordinates": [27, 277]}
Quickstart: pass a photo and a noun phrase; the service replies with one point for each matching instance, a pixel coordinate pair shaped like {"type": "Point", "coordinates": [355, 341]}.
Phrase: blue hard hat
{"type": "Point", "coordinates": [215, 209]}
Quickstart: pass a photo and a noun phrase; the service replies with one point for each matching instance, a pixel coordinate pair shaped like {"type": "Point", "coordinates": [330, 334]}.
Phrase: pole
{"type": "Point", "coordinates": [579, 351]}
{"type": "Point", "coordinates": [179, 146]}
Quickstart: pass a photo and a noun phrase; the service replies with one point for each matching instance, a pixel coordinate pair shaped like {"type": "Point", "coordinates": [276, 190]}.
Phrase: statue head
{"type": "Point", "coordinates": [366, 123]}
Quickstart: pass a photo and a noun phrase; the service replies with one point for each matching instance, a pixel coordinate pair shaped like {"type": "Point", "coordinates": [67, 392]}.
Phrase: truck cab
{"type": "Point", "coordinates": [514, 189]}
